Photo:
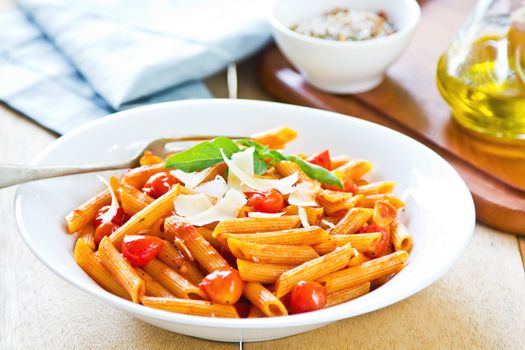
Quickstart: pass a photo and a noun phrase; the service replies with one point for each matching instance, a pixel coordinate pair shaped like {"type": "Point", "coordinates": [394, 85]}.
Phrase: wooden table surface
{"type": "Point", "coordinates": [478, 304]}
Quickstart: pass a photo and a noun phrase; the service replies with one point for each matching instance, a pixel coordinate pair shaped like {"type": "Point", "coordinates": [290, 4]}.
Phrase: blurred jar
{"type": "Point", "coordinates": [482, 75]}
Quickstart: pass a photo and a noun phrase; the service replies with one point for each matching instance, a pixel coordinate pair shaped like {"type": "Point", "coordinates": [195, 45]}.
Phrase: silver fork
{"type": "Point", "coordinates": [11, 174]}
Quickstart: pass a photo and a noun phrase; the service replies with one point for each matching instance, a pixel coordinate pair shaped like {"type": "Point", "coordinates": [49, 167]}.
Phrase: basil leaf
{"type": "Point", "coordinates": [228, 146]}
{"type": "Point", "coordinates": [259, 165]}
{"type": "Point", "coordinates": [316, 172]}
{"type": "Point", "coordinates": [263, 151]}
{"type": "Point", "coordinates": [202, 155]}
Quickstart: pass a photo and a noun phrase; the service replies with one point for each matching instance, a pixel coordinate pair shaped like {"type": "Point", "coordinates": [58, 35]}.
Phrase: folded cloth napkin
{"type": "Point", "coordinates": [66, 62]}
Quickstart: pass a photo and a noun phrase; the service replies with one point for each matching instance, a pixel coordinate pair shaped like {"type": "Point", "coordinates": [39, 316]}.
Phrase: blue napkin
{"type": "Point", "coordinates": [65, 62]}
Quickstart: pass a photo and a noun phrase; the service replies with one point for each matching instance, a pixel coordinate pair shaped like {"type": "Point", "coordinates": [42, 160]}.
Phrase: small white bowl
{"type": "Point", "coordinates": [349, 66]}
{"type": "Point", "coordinates": [439, 209]}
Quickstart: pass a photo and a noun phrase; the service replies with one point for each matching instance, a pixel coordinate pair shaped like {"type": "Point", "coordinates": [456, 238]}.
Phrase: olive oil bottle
{"type": "Point", "coordinates": [482, 77]}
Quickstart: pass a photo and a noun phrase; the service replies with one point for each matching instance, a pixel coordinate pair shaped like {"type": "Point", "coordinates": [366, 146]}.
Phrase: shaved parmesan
{"type": "Point", "coordinates": [226, 208]}
{"type": "Point", "coordinates": [191, 180]}
{"type": "Point", "coordinates": [303, 217]}
{"type": "Point", "coordinates": [258, 214]}
{"type": "Point", "coordinates": [244, 161]}
{"type": "Point", "coordinates": [284, 185]}
{"type": "Point", "coordinates": [191, 204]}
{"type": "Point", "coordinates": [214, 188]}
{"type": "Point", "coordinates": [112, 211]}
{"type": "Point", "coordinates": [327, 223]}
{"type": "Point", "coordinates": [304, 194]}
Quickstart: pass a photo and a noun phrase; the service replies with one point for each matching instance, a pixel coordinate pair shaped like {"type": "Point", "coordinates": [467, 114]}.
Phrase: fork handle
{"type": "Point", "coordinates": [11, 174]}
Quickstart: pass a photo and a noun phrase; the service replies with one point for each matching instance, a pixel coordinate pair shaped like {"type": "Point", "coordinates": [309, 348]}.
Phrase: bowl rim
{"type": "Point", "coordinates": [412, 5]}
{"type": "Point", "coordinates": [323, 316]}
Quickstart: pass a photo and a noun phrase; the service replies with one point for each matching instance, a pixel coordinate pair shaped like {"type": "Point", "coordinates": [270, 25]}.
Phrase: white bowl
{"type": "Point", "coordinates": [439, 209]}
{"type": "Point", "coordinates": [342, 67]}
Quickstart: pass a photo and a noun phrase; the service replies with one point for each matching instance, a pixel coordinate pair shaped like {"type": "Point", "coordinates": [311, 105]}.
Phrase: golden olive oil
{"type": "Point", "coordinates": [485, 86]}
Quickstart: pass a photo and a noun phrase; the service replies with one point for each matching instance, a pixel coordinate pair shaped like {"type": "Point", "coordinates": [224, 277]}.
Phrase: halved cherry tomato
{"type": "Point", "coordinates": [119, 218]}
{"type": "Point", "coordinates": [321, 158]}
{"type": "Point", "coordinates": [140, 250]}
{"type": "Point", "coordinates": [383, 242]}
{"type": "Point", "coordinates": [223, 286]}
{"type": "Point", "coordinates": [104, 229]}
{"type": "Point", "coordinates": [266, 201]}
{"type": "Point", "coordinates": [159, 184]}
{"type": "Point", "coordinates": [308, 296]}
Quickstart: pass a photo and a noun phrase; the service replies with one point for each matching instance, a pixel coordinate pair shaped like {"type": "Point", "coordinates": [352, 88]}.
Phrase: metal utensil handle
{"type": "Point", "coordinates": [17, 174]}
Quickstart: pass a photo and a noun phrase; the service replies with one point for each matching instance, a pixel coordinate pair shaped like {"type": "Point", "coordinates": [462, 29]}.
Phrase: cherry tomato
{"type": "Point", "coordinates": [119, 218]}
{"type": "Point", "coordinates": [223, 286]}
{"type": "Point", "coordinates": [159, 184]}
{"type": "Point", "coordinates": [104, 229]}
{"type": "Point", "coordinates": [307, 296]}
{"type": "Point", "coordinates": [322, 159]}
{"type": "Point", "coordinates": [266, 201]}
{"type": "Point", "coordinates": [383, 242]}
{"type": "Point", "coordinates": [140, 250]}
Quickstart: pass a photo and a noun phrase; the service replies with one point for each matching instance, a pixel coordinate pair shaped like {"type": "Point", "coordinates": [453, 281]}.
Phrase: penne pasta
{"type": "Point", "coordinates": [264, 300]}
{"type": "Point", "coordinates": [86, 212]}
{"type": "Point", "coordinates": [87, 234]}
{"type": "Point", "coordinates": [161, 207]}
{"type": "Point", "coordinates": [353, 220]}
{"type": "Point", "coordinates": [363, 242]}
{"type": "Point", "coordinates": [356, 168]}
{"type": "Point", "coordinates": [401, 238]}
{"type": "Point", "coordinates": [137, 177]}
{"type": "Point", "coordinates": [347, 294]}
{"type": "Point", "coordinates": [91, 264]}
{"type": "Point", "coordinates": [287, 168]}
{"type": "Point", "coordinates": [171, 256]}
{"type": "Point", "coordinates": [334, 207]}
{"type": "Point", "coordinates": [175, 283]}
{"type": "Point", "coordinates": [255, 312]}
{"type": "Point", "coordinates": [200, 248]}
{"type": "Point", "coordinates": [370, 200]}
{"type": "Point", "coordinates": [207, 234]}
{"type": "Point", "coordinates": [384, 213]}
{"type": "Point", "coordinates": [358, 258]}
{"type": "Point", "coordinates": [309, 236]}
{"type": "Point", "coordinates": [133, 200]}
{"type": "Point", "coordinates": [339, 161]}
{"type": "Point", "coordinates": [313, 269]}
{"type": "Point", "coordinates": [191, 307]}
{"type": "Point", "coordinates": [253, 225]}
{"type": "Point", "coordinates": [366, 272]}
{"type": "Point", "coordinates": [275, 138]}
{"type": "Point", "coordinates": [261, 272]}
{"type": "Point", "coordinates": [271, 253]}
{"type": "Point", "coordinates": [376, 188]}
{"type": "Point", "coordinates": [153, 288]}
{"type": "Point", "coordinates": [121, 270]}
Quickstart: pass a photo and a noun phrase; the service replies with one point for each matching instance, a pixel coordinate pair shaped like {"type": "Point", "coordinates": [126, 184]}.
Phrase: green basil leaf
{"type": "Point", "coordinates": [263, 151]}
{"type": "Point", "coordinates": [228, 146]}
{"type": "Point", "coordinates": [202, 155]}
{"type": "Point", "coordinates": [316, 172]}
{"type": "Point", "coordinates": [259, 165]}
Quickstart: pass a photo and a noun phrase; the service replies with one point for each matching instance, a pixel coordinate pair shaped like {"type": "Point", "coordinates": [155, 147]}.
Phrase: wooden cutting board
{"type": "Point", "coordinates": [408, 101]}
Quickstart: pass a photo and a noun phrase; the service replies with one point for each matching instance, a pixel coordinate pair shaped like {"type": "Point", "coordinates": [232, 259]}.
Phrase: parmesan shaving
{"type": "Point", "coordinates": [191, 180]}
{"type": "Point", "coordinates": [303, 217]}
{"type": "Point", "coordinates": [191, 204]}
{"type": "Point", "coordinates": [214, 188]}
{"type": "Point", "coordinates": [304, 194]}
{"type": "Point", "coordinates": [327, 223]}
{"type": "Point", "coordinates": [112, 211]}
{"type": "Point", "coordinates": [244, 161]}
{"type": "Point", "coordinates": [284, 185]}
{"type": "Point", "coordinates": [226, 208]}
{"type": "Point", "coordinates": [258, 214]}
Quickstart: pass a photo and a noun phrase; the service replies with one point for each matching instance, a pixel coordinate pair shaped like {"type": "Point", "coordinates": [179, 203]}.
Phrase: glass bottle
{"type": "Point", "coordinates": [482, 73]}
